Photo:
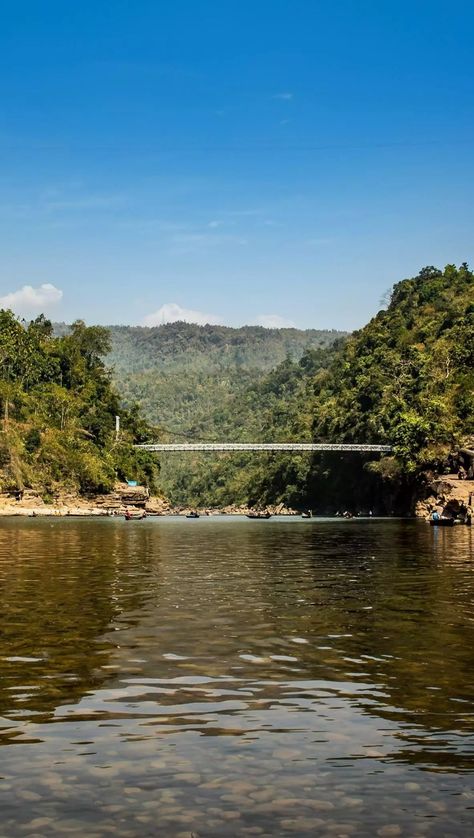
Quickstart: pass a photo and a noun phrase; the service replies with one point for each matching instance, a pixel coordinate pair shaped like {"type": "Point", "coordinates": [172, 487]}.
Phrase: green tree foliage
{"type": "Point", "coordinates": [274, 406]}
{"type": "Point", "coordinates": [213, 383]}
{"type": "Point", "coordinates": [177, 347]}
{"type": "Point", "coordinates": [407, 378]}
{"type": "Point", "coordinates": [58, 409]}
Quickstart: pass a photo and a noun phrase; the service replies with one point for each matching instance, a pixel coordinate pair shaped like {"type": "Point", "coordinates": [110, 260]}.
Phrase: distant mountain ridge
{"type": "Point", "coordinates": [182, 346]}
{"type": "Point", "coordinates": [213, 382]}
{"type": "Point", "coordinates": [180, 373]}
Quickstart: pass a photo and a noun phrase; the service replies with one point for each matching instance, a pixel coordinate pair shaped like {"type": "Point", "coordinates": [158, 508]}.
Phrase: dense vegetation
{"type": "Point", "coordinates": [180, 373]}
{"type": "Point", "coordinates": [407, 378]}
{"type": "Point", "coordinates": [275, 407]}
{"type": "Point", "coordinates": [217, 383]}
{"type": "Point", "coordinates": [58, 410]}
{"type": "Point", "coordinates": [185, 346]}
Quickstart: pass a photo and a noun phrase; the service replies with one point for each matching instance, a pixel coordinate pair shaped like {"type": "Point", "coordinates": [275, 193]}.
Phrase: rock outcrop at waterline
{"type": "Point", "coordinates": [124, 497]}
{"type": "Point", "coordinates": [448, 495]}
{"type": "Point", "coordinates": [29, 503]}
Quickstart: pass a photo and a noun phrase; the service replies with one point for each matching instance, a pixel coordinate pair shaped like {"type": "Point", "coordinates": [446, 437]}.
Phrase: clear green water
{"type": "Point", "coordinates": [234, 677]}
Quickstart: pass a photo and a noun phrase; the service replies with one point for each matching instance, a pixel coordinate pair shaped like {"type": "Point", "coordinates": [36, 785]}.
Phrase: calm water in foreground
{"type": "Point", "coordinates": [234, 677]}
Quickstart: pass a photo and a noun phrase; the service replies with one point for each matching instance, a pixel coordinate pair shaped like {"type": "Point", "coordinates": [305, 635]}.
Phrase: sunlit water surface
{"type": "Point", "coordinates": [231, 677]}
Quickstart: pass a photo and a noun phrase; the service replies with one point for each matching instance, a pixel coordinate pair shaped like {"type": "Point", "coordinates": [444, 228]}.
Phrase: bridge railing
{"type": "Point", "coordinates": [262, 446]}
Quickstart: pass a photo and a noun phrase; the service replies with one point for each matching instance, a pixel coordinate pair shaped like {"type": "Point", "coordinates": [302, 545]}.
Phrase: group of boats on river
{"type": "Point", "coordinates": [436, 520]}
{"type": "Point", "coordinates": [140, 514]}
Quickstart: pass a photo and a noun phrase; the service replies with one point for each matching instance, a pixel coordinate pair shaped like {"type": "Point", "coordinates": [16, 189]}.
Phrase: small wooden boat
{"type": "Point", "coordinates": [192, 515]}
{"type": "Point", "coordinates": [134, 516]}
{"type": "Point", "coordinates": [442, 522]}
{"type": "Point", "coordinates": [260, 515]}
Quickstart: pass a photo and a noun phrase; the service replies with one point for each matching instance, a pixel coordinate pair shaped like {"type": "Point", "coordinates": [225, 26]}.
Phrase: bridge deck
{"type": "Point", "coordinates": [261, 446]}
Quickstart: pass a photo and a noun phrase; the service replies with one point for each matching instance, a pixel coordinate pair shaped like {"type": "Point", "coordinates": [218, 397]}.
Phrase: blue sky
{"type": "Point", "coordinates": [241, 162]}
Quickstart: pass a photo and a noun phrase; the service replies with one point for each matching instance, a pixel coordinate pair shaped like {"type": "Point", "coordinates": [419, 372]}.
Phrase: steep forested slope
{"type": "Point", "coordinates": [407, 378]}
{"type": "Point", "coordinates": [58, 410]}
{"type": "Point", "coordinates": [179, 373]}
{"type": "Point", "coordinates": [215, 383]}
{"type": "Point", "coordinates": [276, 407]}
{"type": "Point", "coordinates": [186, 346]}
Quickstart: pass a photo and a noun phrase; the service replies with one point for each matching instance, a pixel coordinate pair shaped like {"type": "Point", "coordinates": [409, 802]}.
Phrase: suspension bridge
{"type": "Point", "coordinates": [189, 447]}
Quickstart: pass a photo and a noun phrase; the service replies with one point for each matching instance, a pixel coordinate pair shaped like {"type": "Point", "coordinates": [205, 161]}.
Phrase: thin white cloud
{"type": "Point", "coordinates": [285, 96]}
{"type": "Point", "coordinates": [172, 313]}
{"type": "Point", "coordinates": [274, 321]}
{"type": "Point", "coordinates": [29, 300]}
{"type": "Point", "coordinates": [85, 202]}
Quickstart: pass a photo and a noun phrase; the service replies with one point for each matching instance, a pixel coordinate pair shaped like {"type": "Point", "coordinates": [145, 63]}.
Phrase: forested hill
{"type": "Point", "coordinates": [180, 374]}
{"type": "Point", "coordinates": [58, 408]}
{"type": "Point", "coordinates": [407, 378]}
{"type": "Point", "coordinates": [215, 382]}
{"type": "Point", "coordinates": [186, 346]}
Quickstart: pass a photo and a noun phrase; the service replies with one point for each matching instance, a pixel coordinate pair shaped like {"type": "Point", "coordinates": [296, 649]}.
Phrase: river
{"type": "Point", "coordinates": [225, 677]}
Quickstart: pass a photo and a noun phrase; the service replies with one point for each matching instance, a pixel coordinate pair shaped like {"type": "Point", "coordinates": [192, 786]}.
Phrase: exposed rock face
{"type": "Point", "coordinates": [467, 457]}
{"type": "Point", "coordinates": [115, 503]}
{"type": "Point", "coordinates": [157, 506]}
{"type": "Point", "coordinates": [122, 497]}
{"type": "Point", "coordinates": [447, 495]}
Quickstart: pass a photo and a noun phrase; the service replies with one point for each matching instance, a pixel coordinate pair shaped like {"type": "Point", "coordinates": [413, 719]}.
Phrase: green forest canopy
{"type": "Point", "coordinates": [407, 378]}
{"type": "Point", "coordinates": [58, 409]}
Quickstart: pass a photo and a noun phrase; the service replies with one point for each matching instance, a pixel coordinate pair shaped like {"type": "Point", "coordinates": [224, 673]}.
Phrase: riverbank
{"type": "Point", "coordinates": [447, 495]}
{"type": "Point", "coordinates": [29, 503]}
{"type": "Point", "coordinates": [134, 499]}
{"type": "Point", "coordinates": [17, 510]}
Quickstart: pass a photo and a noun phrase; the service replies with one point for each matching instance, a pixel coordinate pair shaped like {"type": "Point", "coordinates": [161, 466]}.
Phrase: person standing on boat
{"type": "Point", "coordinates": [435, 515]}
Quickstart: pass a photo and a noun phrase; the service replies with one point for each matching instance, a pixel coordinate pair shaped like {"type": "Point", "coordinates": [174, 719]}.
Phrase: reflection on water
{"type": "Point", "coordinates": [233, 677]}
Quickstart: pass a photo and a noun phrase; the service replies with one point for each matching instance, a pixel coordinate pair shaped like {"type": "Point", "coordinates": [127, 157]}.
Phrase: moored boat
{"type": "Point", "coordinates": [134, 516]}
{"type": "Point", "coordinates": [442, 522]}
{"type": "Point", "coordinates": [259, 515]}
